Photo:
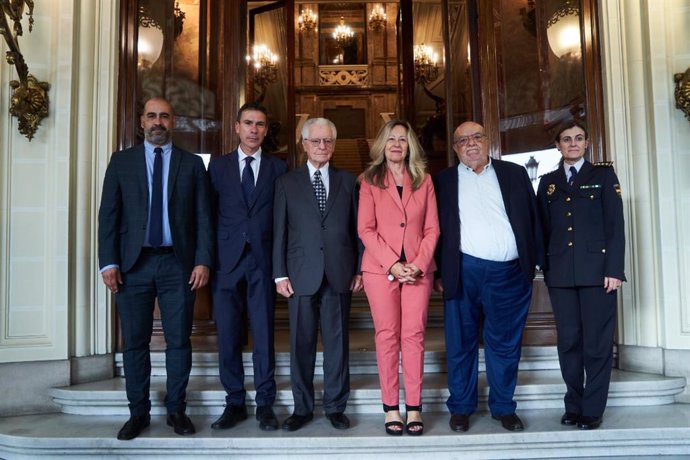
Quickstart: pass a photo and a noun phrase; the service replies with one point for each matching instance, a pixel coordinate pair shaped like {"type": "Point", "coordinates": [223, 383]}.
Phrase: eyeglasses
{"type": "Point", "coordinates": [569, 140]}
{"type": "Point", "coordinates": [464, 140]}
{"type": "Point", "coordinates": [326, 142]}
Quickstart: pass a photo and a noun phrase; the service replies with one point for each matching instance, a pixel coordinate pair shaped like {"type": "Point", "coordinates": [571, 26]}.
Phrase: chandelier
{"type": "Point", "coordinates": [343, 34]}
{"type": "Point", "coordinates": [151, 15]}
{"type": "Point", "coordinates": [307, 21]}
{"type": "Point", "coordinates": [425, 64]}
{"type": "Point", "coordinates": [377, 18]}
{"type": "Point", "coordinates": [265, 67]}
{"type": "Point", "coordinates": [563, 30]}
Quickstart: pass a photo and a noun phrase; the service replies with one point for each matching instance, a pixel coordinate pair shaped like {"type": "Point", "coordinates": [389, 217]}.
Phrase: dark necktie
{"type": "Point", "coordinates": [319, 191]}
{"type": "Point", "coordinates": [248, 185]}
{"type": "Point", "coordinates": [573, 175]}
{"type": "Point", "coordinates": [156, 213]}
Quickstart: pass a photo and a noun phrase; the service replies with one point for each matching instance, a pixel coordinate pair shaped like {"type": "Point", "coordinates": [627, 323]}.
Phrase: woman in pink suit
{"type": "Point", "coordinates": [398, 224]}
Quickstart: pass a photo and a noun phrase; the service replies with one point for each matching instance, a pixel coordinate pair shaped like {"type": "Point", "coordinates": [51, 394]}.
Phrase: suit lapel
{"type": "Point", "coordinates": [262, 180]}
{"type": "Point", "coordinates": [583, 174]}
{"type": "Point", "coordinates": [142, 178]}
{"type": "Point", "coordinates": [307, 187]}
{"type": "Point", "coordinates": [392, 190]}
{"type": "Point", "coordinates": [233, 172]}
{"type": "Point", "coordinates": [407, 189]}
{"type": "Point", "coordinates": [333, 188]}
{"type": "Point", "coordinates": [175, 158]}
{"type": "Point", "coordinates": [561, 180]}
{"type": "Point", "coordinates": [503, 183]}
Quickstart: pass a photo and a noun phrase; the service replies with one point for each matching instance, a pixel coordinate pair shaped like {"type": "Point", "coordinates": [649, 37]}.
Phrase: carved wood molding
{"type": "Point", "coordinates": [343, 76]}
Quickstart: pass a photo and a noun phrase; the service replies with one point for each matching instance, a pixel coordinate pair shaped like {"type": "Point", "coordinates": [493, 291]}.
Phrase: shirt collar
{"type": "Point", "coordinates": [149, 147]}
{"type": "Point", "coordinates": [323, 169]}
{"type": "Point", "coordinates": [464, 169]}
{"type": "Point", "coordinates": [578, 165]}
{"type": "Point", "coordinates": [242, 155]}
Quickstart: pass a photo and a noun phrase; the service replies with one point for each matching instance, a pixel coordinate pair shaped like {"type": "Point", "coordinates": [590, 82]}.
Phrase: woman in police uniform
{"type": "Point", "coordinates": [581, 214]}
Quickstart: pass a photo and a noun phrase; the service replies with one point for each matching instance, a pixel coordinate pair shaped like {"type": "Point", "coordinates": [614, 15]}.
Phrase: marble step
{"type": "Point", "coordinates": [627, 432]}
{"type": "Point", "coordinates": [362, 361]}
{"type": "Point", "coordinates": [537, 389]}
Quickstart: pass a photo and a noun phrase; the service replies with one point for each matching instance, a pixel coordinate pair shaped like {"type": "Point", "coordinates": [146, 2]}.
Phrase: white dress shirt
{"type": "Point", "coordinates": [324, 175]}
{"type": "Point", "coordinates": [254, 164]}
{"type": "Point", "coordinates": [485, 230]}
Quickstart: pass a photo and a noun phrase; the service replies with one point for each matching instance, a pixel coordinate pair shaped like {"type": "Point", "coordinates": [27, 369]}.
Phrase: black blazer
{"type": "Point", "coordinates": [123, 214]}
{"type": "Point", "coordinates": [583, 226]}
{"type": "Point", "coordinates": [520, 204]}
{"type": "Point", "coordinates": [237, 221]}
{"type": "Point", "coordinates": [307, 245]}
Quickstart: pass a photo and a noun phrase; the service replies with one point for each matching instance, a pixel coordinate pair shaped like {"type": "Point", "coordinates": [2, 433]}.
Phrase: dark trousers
{"type": "Point", "coordinates": [246, 287]}
{"type": "Point", "coordinates": [163, 277]}
{"type": "Point", "coordinates": [585, 323]}
{"type": "Point", "coordinates": [330, 310]}
{"type": "Point", "coordinates": [500, 291]}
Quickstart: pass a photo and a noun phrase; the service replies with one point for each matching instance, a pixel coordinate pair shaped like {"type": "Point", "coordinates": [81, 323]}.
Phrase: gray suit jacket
{"type": "Point", "coordinates": [307, 245]}
{"type": "Point", "coordinates": [123, 215]}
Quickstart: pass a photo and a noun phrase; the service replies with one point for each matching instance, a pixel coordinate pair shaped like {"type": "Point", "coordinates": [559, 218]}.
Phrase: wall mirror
{"type": "Point", "coordinates": [344, 19]}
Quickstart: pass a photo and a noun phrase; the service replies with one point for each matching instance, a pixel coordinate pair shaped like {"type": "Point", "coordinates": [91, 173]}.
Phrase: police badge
{"type": "Point", "coordinates": [551, 189]}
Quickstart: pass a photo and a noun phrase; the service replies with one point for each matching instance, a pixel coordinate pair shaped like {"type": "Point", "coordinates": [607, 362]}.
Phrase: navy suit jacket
{"type": "Point", "coordinates": [237, 221]}
{"type": "Point", "coordinates": [123, 214]}
{"type": "Point", "coordinates": [583, 226]}
{"type": "Point", "coordinates": [308, 245]}
{"type": "Point", "coordinates": [520, 205]}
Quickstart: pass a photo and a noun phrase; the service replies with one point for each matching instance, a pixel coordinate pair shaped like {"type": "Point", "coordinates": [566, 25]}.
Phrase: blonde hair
{"type": "Point", "coordinates": [415, 161]}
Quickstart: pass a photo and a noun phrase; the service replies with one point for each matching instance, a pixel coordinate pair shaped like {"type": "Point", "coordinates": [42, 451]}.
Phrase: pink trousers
{"type": "Point", "coordinates": [399, 312]}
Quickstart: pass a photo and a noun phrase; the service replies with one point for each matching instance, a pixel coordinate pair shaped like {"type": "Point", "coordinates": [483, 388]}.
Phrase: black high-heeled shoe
{"type": "Point", "coordinates": [395, 427]}
{"type": "Point", "coordinates": [414, 428]}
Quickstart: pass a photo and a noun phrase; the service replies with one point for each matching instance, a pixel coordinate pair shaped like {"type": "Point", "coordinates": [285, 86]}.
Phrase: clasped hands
{"type": "Point", "coordinates": [405, 273]}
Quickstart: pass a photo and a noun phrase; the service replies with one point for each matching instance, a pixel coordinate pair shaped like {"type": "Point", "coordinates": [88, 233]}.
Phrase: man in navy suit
{"type": "Point", "coordinates": [486, 258]}
{"type": "Point", "coordinates": [316, 262]}
{"type": "Point", "coordinates": [242, 184]}
{"type": "Point", "coordinates": [155, 241]}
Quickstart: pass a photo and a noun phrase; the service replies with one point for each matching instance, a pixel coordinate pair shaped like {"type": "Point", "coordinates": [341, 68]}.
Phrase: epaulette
{"type": "Point", "coordinates": [607, 164]}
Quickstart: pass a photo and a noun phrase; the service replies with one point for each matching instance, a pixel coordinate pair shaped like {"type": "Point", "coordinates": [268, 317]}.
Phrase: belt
{"type": "Point", "coordinates": [148, 250]}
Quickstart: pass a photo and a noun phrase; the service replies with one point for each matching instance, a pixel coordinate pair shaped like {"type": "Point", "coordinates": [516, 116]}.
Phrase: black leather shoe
{"type": "Point", "coordinates": [339, 420]}
{"type": "Point", "coordinates": [267, 418]}
{"type": "Point", "coordinates": [181, 423]}
{"type": "Point", "coordinates": [133, 427]}
{"type": "Point", "coordinates": [459, 422]}
{"type": "Point", "coordinates": [588, 423]}
{"type": "Point", "coordinates": [295, 422]}
{"type": "Point", "coordinates": [510, 422]}
{"type": "Point", "coordinates": [232, 415]}
{"type": "Point", "coordinates": [569, 418]}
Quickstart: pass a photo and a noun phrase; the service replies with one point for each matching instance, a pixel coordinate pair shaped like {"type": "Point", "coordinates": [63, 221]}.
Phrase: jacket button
{"type": "Point", "coordinates": [567, 199]}
{"type": "Point", "coordinates": [568, 214]}
{"type": "Point", "coordinates": [591, 197]}
{"type": "Point", "coordinates": [402, 224]}
{"type": "Point", "coordinates": [570, 243]}
{"type": "Point", "coordinates": [603, 251]}
{"type": "Point", "coordinates": [570, 229]}
{"type": "Point", "coordinates": [323, 227]}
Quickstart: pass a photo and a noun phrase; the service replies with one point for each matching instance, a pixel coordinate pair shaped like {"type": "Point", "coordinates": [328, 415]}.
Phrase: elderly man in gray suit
{"type": "Point", "coordinates": [316, 266]}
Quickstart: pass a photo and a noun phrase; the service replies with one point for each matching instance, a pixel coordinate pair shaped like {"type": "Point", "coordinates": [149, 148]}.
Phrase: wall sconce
{"type": "Point", "coordinates": [563, 30]}
{"type": "Point", "coordinates": [343, 34]}
{"type": "Point", "coordinates": [307, 21]}
{"type": "Point", "coordinates": [532, 166]}
{"type": "Point", "coordinates": [682, 92]}
{"type": "Point", "coordinates": [265, 68]}
{"type": "Point", "coordinates": [29, 100]}
{"type": "Point", "coordinates": [377, 18]}
{"type": "Point", "coordinates": [425, 64]}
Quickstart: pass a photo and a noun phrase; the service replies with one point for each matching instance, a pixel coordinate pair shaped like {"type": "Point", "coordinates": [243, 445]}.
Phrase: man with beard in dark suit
{"type": "Point", "coordinates": [486, 258]}
{"type": "Point", "coordinates": [242, 184]}
{"type": "Point", "coordinates": [155, 241]}
{"type": "Point", "coordinates": [316, 266]}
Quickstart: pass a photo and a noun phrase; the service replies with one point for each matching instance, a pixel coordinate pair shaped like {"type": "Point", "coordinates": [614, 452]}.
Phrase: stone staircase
{"type": "Point", "coordinates": [642, 419]}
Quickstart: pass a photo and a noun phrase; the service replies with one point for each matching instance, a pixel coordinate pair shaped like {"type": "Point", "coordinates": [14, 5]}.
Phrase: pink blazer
{"type": "Point", "coordinates": [386, 224]}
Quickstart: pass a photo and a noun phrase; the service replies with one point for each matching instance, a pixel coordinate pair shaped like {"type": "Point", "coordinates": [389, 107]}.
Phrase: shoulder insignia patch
{"type": "Point", "coordinates": [617, 188]}
{"type": "Point", "coordinates": [606, 164]}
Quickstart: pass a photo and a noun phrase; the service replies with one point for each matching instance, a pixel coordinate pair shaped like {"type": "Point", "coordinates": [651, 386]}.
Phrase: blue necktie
{"type": "Point", "coordinates": [156, 212]}
{"type": "Point", "coordinates": [319, 191]}
{"type": "Point", "coordinates": [248, 185]}
{"type": "Point", "coordinates": [573, 174]}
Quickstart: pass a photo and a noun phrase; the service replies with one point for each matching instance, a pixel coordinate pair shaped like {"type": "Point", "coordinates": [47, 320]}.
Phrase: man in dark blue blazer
{"type": "Point", "coordinates": [242, 184]}
{"type": "Point", "coordinates": [155, 241]}
{"type": "Point", "coordinates": [316, 259]}
{"type": "Point", "coordinates": [486, 259]}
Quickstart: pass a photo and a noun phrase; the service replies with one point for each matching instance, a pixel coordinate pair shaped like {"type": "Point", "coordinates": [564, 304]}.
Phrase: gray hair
{"type": "Point", "coordinates": [318, 121]}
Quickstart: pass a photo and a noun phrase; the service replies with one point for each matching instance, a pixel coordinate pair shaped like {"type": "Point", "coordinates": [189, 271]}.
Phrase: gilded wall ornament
{"type": "Point", "coordinates": [682, 92]}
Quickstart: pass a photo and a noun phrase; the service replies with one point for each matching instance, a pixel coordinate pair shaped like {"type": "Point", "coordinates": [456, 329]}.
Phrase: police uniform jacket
{"type": "Point", "coordinates": [582, 226]}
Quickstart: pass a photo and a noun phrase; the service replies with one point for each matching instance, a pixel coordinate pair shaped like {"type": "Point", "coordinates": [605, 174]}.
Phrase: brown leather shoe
{"type": "Point", "coordinates": [133, 427]}
{"type": "Point", "coordinates": [510, 422]}
{"type": "Point", "coordinates": [459, 422]}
